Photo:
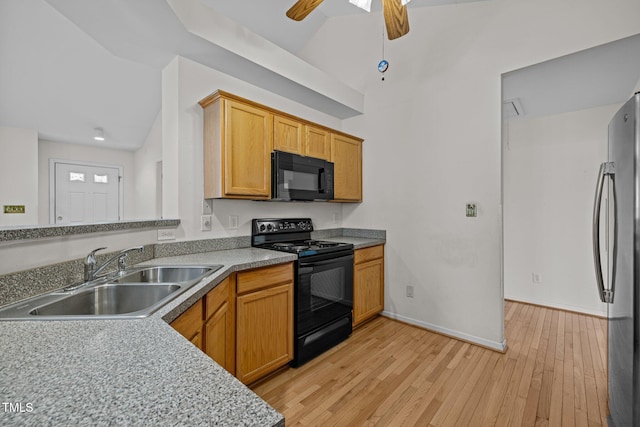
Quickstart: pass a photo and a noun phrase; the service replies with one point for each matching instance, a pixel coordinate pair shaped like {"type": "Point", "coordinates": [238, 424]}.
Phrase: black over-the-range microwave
{"type": "Point", "coordinates": [295, 177]}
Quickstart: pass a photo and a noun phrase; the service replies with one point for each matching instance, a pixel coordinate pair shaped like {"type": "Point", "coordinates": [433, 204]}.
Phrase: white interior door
{"type": "Point", "coordinates": [86, 193]}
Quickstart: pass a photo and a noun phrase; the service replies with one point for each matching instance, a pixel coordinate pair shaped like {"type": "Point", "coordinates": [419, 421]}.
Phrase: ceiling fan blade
{"type": "Point", "coordinates": [395, 18]}
{"type": "Point", "coordinates": [302, 8]}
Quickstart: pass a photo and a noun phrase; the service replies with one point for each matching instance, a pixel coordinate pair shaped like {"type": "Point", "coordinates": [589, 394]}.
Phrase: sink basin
{"type": "Point", "coordinates": [165, 274]}
{"type": "Point", "coordinates": [135, 294]}
{"type": "Point", "coordinates": [109, 299]}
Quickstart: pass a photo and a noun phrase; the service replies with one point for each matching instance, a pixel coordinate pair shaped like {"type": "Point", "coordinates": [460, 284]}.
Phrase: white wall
{"type": "Point", "coordinates": [147, 199]}
{"type": "Point", "coordinates": [550, 170]}
{"type": "Point", "coordinates": [19, 175]}
{"type": "Point", "coordinates": [83, 153]}
{"type": "Point", "coordinates": [184, 84]}
{"type": "Point", "coordinates": [432, 140]}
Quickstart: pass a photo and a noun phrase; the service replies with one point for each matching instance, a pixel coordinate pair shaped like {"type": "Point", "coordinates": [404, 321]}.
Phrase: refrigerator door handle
{"type": "Point", "coordinates": [605, 169]}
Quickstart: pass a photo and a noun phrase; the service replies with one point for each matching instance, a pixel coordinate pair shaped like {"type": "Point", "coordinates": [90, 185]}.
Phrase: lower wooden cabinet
{"type": "Point", "coordinates": [190, 323]}
{"type": "Point", "coordinates": [368, 283]}
{"type": "Point", "coordinates": [245, 323]}
{"type": "Point", "coordinates": [219, 328]}
{"type": "Point", "coordinates": [264, 321]}
{"type": "Point", "coordinates": [210, 324]}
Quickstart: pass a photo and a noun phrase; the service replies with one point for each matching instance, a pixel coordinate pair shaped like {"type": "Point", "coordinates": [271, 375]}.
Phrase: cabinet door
{"type": "Point", "coordinates": [247, 150]}
{"type": "Point", "coordinates": [218, 337]}
{"type": "Point", "coordinates": [264, 331]}
{"type": "Point", "coordinates": [368, 290]}
{"type": "Point", "coordinates": [189, 324]}
{"type": "Point", "coordinates": [317, 143]}
{"type": "Point", "coordinates": [346, 154]}
{"type": "Point", "coordinates": [219, 329]}
{"type": "Point", "coordinates": [287, 135]}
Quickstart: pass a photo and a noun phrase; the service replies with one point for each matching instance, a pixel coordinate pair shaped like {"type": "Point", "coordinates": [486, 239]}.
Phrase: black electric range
{"type": "Point", "coordinates": [323, 283]}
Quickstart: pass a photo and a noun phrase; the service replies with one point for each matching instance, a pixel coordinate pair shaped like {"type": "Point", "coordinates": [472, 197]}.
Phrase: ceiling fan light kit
{"type": "Point", "coordinates": [362, 4]}
{"type": "Point", "coordinates": [394, 11]}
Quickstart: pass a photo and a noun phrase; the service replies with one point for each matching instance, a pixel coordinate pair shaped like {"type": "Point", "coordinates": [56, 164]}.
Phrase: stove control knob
{"type": "Point", "coordinates": [269, 227]}
{"type": "Point", "coordinates": [262, 227]}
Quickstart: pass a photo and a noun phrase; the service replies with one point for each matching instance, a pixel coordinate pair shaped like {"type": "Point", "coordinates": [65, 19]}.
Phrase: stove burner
{"type": "Point", "coordinates": [293, 236]}
{"type": "Point", "coordinates": [282, 245]}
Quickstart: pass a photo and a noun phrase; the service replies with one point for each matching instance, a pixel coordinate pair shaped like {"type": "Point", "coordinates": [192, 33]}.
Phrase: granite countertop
{"type": "Point", "coordinates": [131, 372]}
{"type": "Point", "coordinates": [128, 372]}
{"type": "Point", "coordinates": [358, 242]}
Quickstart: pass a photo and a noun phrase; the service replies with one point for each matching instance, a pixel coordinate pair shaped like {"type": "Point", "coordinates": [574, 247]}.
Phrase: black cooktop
{"type": "Point", "coordinates": [293, 236]}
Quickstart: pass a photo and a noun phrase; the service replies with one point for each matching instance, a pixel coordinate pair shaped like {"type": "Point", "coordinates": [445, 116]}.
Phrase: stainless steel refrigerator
{"type": "Point", "coordinates": [619, 287]}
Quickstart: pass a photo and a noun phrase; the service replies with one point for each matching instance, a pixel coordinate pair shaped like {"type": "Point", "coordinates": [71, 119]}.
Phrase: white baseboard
{"type": "Point", "coordinates": [494, 345]}
{"type": "Point", "coordinates": [560, 306]}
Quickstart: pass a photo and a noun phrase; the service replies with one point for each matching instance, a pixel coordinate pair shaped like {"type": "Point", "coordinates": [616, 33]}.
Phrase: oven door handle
{"type": "Point", "coordinates": [324, 262]}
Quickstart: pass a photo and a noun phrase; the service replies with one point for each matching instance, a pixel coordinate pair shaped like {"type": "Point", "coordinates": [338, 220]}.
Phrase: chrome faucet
{"type": "Point", "coordinates": [91, 270]}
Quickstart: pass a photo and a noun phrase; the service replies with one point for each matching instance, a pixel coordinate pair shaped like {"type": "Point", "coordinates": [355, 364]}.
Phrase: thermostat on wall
{"type": "Point", "coordinates": [472, 210]}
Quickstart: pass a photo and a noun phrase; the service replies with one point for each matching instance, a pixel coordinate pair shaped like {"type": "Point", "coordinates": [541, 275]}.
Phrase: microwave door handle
{"type": "Point", "coordinates": [322, 180]}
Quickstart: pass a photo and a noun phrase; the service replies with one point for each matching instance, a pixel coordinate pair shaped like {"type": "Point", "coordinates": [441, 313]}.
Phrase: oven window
{"type": "Point", "coordinates": [327, 287]}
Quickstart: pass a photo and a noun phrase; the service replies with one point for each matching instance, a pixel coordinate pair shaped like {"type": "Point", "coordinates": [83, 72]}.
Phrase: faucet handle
{"type": "Point", "coordinates": [90, 264]}
{"type": "Point", "coordinates": [91, 258]}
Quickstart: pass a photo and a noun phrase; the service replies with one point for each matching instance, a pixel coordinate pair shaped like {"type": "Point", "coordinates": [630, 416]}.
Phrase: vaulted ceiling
{"type": "Point", "coordinates": [70, 66]}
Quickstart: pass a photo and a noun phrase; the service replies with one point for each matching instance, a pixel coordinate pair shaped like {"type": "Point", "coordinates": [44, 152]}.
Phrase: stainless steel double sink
{"type": "Point", "coordinates": [135, 293]}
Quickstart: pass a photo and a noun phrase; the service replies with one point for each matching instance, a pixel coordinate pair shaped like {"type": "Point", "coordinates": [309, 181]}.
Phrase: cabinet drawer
{"type": "Point", "coordinates": [189, 322]}
{"type": "Point", "coordinates": [217, 297]}
{"type": "Point", "coordinates": [367, 254]}
{"type": "Point", "coordinates": [260, 278]}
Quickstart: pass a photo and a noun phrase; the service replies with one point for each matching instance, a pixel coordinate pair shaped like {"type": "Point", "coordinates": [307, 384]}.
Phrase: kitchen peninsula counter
{"type": "Point", "coordinates": [132, 372]}
{"type": "Point", "coordinates": [128, 372]}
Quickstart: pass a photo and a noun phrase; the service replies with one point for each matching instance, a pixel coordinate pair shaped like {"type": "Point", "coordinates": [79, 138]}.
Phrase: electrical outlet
{"type": "Point", "coordinates": [233, 222]}
{"type": "Point", "coordinates": [409, 291]}
{"type": "Point", "coordinates": [536, 278]}
{"type": "Point", "coordinates": [205, 223]}
{"type": "Point", "coordinates": [166, 234]}
{"type": "Point", "coordinates": [334, 217]}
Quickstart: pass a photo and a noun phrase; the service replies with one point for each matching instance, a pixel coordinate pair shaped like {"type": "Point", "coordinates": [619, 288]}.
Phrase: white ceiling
{"type": "Point", "coordinates": [69, 66]}
{"type": "Point", "coordinates": [602, 75]}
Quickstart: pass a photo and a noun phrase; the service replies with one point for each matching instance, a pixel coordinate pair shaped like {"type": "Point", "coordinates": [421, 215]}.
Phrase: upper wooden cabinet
{"type": "Point", "coordinates": [346, 154]}
{"type": "Point", "coordinates": [239, 136]}
{"type": "Point", "coordinates": [237, 149]}
{"type": "Point", "coordinates": [317, 142]}
{"type": "Point", "coordinates": [293, 136]}
{"type": "Point", "coordinates": [287, 135]}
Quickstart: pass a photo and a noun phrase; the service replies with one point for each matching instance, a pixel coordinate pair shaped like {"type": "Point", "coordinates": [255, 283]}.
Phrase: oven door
{"type": "Point", "coordinates": [301, 178]}
{"type": "Point", "coordinates": [324, 290]}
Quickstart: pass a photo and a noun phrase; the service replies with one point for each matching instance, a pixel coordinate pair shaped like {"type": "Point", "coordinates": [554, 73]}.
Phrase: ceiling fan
{"type": "Point", "coordinates": [395, 13]}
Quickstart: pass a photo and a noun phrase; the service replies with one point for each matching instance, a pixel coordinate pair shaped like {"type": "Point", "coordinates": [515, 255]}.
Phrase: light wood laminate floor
{"type": "Point", "coordinates": [392, 374]}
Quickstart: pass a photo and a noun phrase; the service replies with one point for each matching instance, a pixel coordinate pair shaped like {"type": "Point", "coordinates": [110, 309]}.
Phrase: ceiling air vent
{"type": "Point", "coordinates": [512, 108]}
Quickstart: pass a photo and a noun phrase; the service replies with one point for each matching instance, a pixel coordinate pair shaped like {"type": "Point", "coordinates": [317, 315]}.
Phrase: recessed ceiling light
{"type": "Point", "coordinates": [98, 134]}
